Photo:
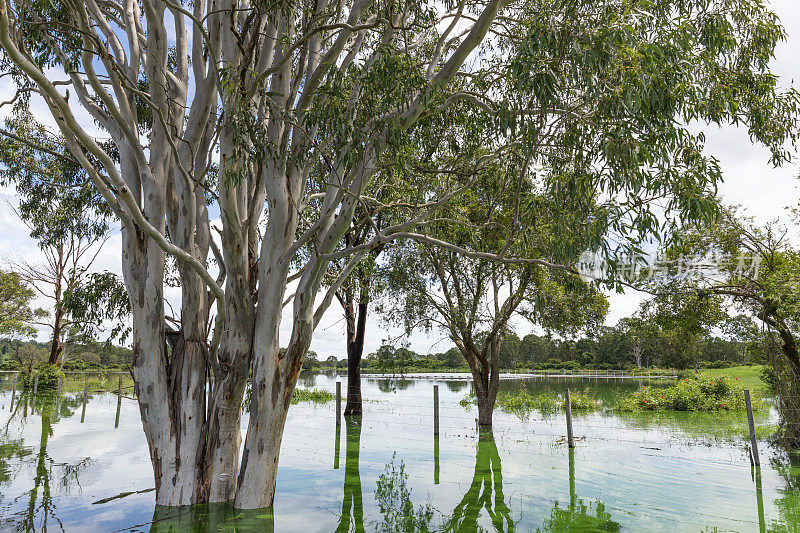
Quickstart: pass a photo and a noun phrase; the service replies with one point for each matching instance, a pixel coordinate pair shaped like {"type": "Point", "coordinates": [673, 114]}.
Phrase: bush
{"type": "Point", "coordinates": [79, 364]}
{"type": "Point", "coordinates": [702, 392]}
{"type": "Point", "coordinates": [48, 377]}
{"type": "Point", "coordinates": [9, 364]}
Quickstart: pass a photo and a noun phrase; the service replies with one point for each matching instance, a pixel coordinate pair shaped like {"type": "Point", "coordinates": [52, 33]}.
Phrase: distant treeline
{"type": "Point", "coordinates": [16, 355]}
{"type": "Point", "coordinates": [609, 348]}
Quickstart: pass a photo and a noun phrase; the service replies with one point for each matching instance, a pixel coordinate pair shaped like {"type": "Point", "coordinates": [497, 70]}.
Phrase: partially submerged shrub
{"type": "Point", "coordinates": [702, 392]}
{"type": "Point", "coordinates": [48, 377]}
{"type": "Point", "coordinates": [523, 402]}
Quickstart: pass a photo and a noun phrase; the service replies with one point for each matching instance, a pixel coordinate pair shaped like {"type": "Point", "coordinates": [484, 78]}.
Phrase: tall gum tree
{"type": "Point", "coordinates": [281, 111]}
{"type": "Point", "coordinates": [477, 300]}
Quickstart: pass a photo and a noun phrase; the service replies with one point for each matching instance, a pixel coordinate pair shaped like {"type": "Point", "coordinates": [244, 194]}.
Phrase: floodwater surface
{"type": "Point", "coordinates": [74, 467]}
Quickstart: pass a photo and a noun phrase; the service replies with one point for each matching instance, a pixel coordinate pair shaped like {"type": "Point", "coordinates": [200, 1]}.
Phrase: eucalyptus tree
{"type": "Point", "coordinates": [689, 314]}
{"type": "Point", "coordinates": [355, 296]}
{"type": "Point", "coordinates": [63, 212]}
{"type": "Point", "coordinates": [280, 111]}
{"type": "Point", "coordinates": [16, 313]}
{"type": "Point", "coordinates": [755, 268]}
{"type": "Point", "coordinates": [17, 316]}
{"type": "Point", "coordinates": [476, 300]}
{"type": "Point", "coordinates": [642, 334]}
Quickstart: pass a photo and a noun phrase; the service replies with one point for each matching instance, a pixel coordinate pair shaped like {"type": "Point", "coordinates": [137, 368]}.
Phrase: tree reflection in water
{"type": "Point", "coordinates": [40, 511]}
{"type": "Point", "coordinates": [485, 492]}
{"type": "Point", "coordinates": [211, 517]}
{"type": "Point", "coordinates": [352, 518]}
{"type": "Point", "coordinates": [397, 512]}
{"type": "Point", "coordinates": [787, 465]}
{"type": "Point", "coordinates": [579, 516]}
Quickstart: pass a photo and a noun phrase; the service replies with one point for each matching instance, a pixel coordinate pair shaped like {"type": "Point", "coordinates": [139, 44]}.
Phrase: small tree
{"type": "Point", "coordinates": [16, 314]}
{"type": "Point", "coordinates": [690, 314]}
{"type": "Point", "coordinates": [742, 329]}
{"type": "Point", "coordinates": [474, 300]}
{"type": "Point", "coordinates": [63, 212]}
{"type": "Point", "coordinates": [28, 355]}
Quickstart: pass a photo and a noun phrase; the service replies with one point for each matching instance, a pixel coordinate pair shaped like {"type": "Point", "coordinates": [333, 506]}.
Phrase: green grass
{"type": "Point", "coordinates": [313, 396]}
{"type": "Point", "coordinates": [522, 402]}
{"type": "Point", "coordinates": [748, 376]}
{"type": "Point", "coordinates": [97, 382]}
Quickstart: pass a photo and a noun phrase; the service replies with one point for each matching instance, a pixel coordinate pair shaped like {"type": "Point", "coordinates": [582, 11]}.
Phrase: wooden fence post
{"type": "Point", "coordinates": [762, 525]}
{"type": "Point", "coordinates": [338, 402]}
{"type": "Point", "coordinates": [14, 385]}
{"type": "Point", "coordinates": [35, 384]}
{"type": "Point", "coordinates": [119, 390]}
{"type": "Point", "coordinates": [337, 445]}
{"type": "Point", "coordinates": [753, 443]}
{"type": "Point", "coordinates": [436, 460]}
{"type": "Point", "coordinates": [436, 410]}
{"type": "Point", "coordinates": [569, 420]}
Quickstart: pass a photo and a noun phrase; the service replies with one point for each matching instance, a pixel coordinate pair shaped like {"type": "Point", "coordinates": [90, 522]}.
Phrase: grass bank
{"type": "Point", "coordinates": [748, 376]}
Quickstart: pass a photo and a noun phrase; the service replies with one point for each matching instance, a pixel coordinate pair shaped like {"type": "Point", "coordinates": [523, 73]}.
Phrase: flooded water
{"type": "Point", "coordinates": [63, 467]}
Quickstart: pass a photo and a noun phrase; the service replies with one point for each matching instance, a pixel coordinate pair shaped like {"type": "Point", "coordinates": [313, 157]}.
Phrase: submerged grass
{"type": "Point", "coordinates": [522, 402]}
{"type": "Point", "coordinates": [74, 383]}
{"type": "Point", "coordinates": [701, 426]}
{"type": "Point", "coordinates": [311, 395]}
{"type": "Point", "coordinates": [97, 383]}
{"type": "Point", "coordinates": [703, 392]}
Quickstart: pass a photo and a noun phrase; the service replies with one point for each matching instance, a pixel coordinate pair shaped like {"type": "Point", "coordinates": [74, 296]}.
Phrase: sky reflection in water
{"type": "Point", "coordinates": [385, 472]}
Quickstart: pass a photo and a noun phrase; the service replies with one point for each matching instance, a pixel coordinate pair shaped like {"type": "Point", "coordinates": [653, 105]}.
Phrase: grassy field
{"type": "Point", "coordinates": [98, 382]}
{"type": "Point", "coordinates": [749, 376]}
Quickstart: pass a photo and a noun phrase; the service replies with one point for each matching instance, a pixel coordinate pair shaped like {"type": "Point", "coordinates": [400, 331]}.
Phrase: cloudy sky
{"type": "Point", "coordinates": [749, 181]}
